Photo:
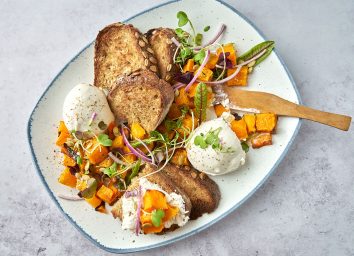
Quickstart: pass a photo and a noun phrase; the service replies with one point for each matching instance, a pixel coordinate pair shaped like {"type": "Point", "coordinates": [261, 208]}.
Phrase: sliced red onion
{"type": "Point", "coordinates": [148, 150]}
{"type": "Point", "coordinates": [214, 39]}
{"type": "Point", "coordinates": [131, 193]}
{"type": "Point", "coordinates": [138, 210]}
{"type": "Point", "coordinates": [177, 86]}
{"type": "Point", "coordinates": [136, 152]}
{"type": "Point", "coordinates": [248, 61]}
{"type": "Point", "coordinates": [239, 66]}
{"type": "Point", "coordinates": [175, 41]}
{"type": "Point", "coordinates": [93, 117]}
{"type": "Point", "coordinates": [227, 78]}
{"type": "Point", "coordinates": [70, 197]}
{"type": "Point", "coordinates": [200, 69]}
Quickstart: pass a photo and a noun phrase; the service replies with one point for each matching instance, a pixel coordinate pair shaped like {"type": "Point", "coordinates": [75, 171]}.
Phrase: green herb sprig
{"type": "Point", "coordinates": [104, 140]}
{"type": "Point", "coordinates": [156, 217]}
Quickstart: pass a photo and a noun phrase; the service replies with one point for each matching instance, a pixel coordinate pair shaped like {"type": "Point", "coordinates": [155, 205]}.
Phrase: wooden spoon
{"type": "Point", "coordinates": [266, 102]}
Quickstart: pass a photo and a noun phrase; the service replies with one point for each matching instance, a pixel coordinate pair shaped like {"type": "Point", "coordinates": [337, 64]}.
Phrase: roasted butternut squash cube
{"type": "Point", "coordinates": [118, 142]}
{"type": "Point", "coordinates": [68, 161]}
{"type": "Point", "coordinates": [206, 74]}
{"type": "Point", "coordinates": [187, 125]}
{"type": "Point", "coordinates": [67, 179]}
{"type": "Point", "coordinates": [182, 98]}
{"type": "Point", "coordinates": [170, 213]}
{"type": "Point", "coordinates": [149, 229]}
{"type": "Point", "coordinates": [180, 157]}
{"type": "Point", "coordinates": [219, 109]}
{"type": "Point", "coordinates": [174, 112]}
{"type": "Point", "coordinates": [250, 120]}
{"type": "Point", "coordinates": [230, 48]}
{"type": "Point", "coordinates": [154, 199]}
{"type": "Point", "coordinates": [137, 131]}
{"type": "Point", "coordinates": [240, 128]}
{"type": "Point", "coordinates": [96, 152]}
{"type": "Point", "coordinates": [94, 201]}
{"type": "Point", "coordinates": [240, 79]}
{"type": "Point", "coordinates": [266, 122]}
{"type": "Point", "coordinates": [192, 90]}
{"type": "Point", "coordinates": [261, 140]}
{"type": "Point", "coordinates": [106, 194]}
{"type": "Point", "coordinates": [188, 67]}
{"type": "Point", "coordinates": [213, 60]}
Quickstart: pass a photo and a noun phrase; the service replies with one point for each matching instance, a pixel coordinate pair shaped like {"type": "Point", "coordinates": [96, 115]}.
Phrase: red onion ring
{"type": "Point", "coordinates": [239, 66]}
{"type": "Point", "coordinates": [175, 41]}
{"type": "Point", "coordinates": [200, 69]}
{"type": "Point", "coordinates": [136, 152]}
{"type": "Point", "coordinates": [214, 39]}
{"type": "Point", "coordinates": [140, 199]}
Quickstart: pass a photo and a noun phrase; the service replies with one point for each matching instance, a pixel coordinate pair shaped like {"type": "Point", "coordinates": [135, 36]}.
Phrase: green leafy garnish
{"type": "Point", "coordinates": [199, 57]}
{"type": "Point", "coordinates": [206, 29]}
{"type": "Point", "coordinates": [104, 140]}
{"type": "Point", "coordinates": [78, 160]}
{"type": "Point", "coordinates": [111, 171]}
{"type": "Point", "coordinates": [200, 101]}
{"type": "Point", "coordinates": [198, 39]}
{"type": "Point", "coordinates": [134, 172]}
{"type": "Point", "coordinates": [245, 146]}
{"type": "Point", "coordinates": [199, 141]}
{"type": "Point", "coordinates": [211, 139]}
{"type": "Point", "coordinates": [267, 45]}
{"type": "Point", "coordinates": [182, 18]}
{"type": "Point", "coordinates": [156, 217]}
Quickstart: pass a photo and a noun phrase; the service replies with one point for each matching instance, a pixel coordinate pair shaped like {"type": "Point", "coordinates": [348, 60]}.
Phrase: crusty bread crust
{"type": "Point", "coordinates": [203, 192]}
{"type": "Point", "coordinates": [164, 48]}
{"type": "Point", "coordinates": [158, 178]}
{"type": "Point", "coordinates": [121, 49]}
{"type": "Point", "coordinates": [141, 97]}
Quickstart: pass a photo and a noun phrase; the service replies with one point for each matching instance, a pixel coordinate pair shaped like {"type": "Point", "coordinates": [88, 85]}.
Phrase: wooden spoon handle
{"type": "Point", "coordinates": [341, 122]}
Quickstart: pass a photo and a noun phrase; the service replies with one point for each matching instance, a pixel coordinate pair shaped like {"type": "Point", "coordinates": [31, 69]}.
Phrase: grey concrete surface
{"type": "Point", "coordinates": [305, 208]}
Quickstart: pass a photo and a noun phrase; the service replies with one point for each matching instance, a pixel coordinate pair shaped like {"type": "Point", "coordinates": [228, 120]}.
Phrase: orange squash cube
{"type": "Point", "coordinates": [206, 74]}
{"type": "Point", "coordinates": [174, 112]}
{"type": "Point", "coordinates": [266, 122]}
{"type": "Point", "coordinates": [182, 99]}
{"type": "Point", "coordinates": [154, 199]}
{"type": "Point", "coordinates": [219, 109]}
{"type": "Point", "coordinates": [250, 120]}
{"type": "Point", "coordinates": [230, 49]}
{"type": "Point", "coordinates": [180, 157]}
{"type": "Point", "coordinates": [118, 142]}
{"type": "Point", "coordinates": [240, 128]}
{"type": "Point", "coordinates": [213, 59]}
{"type": "Point", "coordinates": [67, 179]}
{"type": "Point", "coordinates": [188, 67]}
{"type": "Point", "coordinates": [94, 201]}
{"type": "Point", "coordinates": [261, 140]}
{"type": "Point", "coordinates": [97, 153]}
{"type": "Point", "coordinates": [68, 161]}
{"type": "Point", "coordinates": [106, 194]}
{"type": "Point", "coordinates": [240, 79]}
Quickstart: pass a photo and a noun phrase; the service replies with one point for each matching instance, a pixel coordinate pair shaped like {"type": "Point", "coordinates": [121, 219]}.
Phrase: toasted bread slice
{"type": "Point", "coordinates": [157, 178]}
{"type": "Point", "coordinates": [164, 48]}
{"type": "Point", "coordinates": [141, 97]}
{"type": "Point", "coordinates": [121, 50]}
{"type": "Point", "coordinates": [203, 192]}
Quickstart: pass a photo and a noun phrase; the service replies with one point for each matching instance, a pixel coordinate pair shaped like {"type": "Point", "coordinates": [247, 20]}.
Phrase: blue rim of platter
{"type": "Point", "coordinates": [114, 250]}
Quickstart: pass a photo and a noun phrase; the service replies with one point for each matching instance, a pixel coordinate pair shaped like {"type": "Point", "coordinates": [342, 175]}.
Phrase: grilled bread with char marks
{"type": "Point", "coordinates": [121, 49]}
{"type": "Point", "coordinates": [164, 48]}
{"type": "Point", "coordinates": [141, 97]}
{"type": "Point", "coordinates": [203, 192]}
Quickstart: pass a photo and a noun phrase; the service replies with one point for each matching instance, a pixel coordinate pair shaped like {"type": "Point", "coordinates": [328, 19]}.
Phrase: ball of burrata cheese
{"type": "Point", "coordinates": [215, 149]}
{"type": "Point", "coordinates": [86, 110]}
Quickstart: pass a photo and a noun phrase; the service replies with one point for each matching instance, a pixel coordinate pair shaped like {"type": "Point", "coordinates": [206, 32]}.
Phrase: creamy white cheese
{"type": "Point", "coordinates": [215, 161]}
{"type": "Point", "coordinates": [81, 103]}
{"type": "Point", "coordinates": [129, 206]}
